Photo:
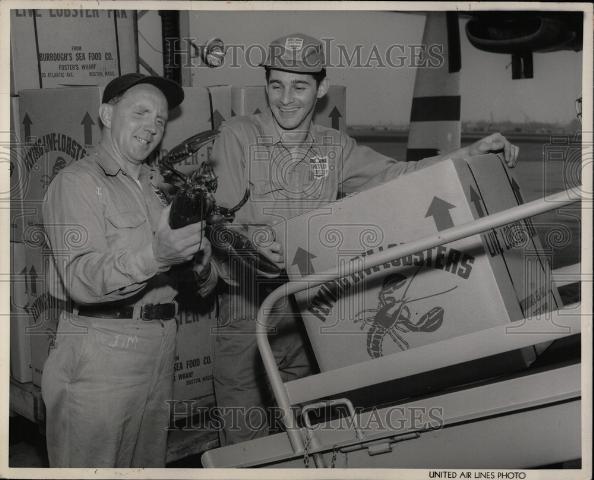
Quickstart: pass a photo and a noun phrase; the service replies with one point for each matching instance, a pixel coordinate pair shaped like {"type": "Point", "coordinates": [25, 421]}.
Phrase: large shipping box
{"type": "Point", "coordinates": [194, 356]}
{"type": "Point", "coordinates": [20, 319]}
{"type": "Point", "coordinates": [331, 110]}
{"type": "Point", "coordinates": [57, 48]}
{"type": "Point", "coordinates": [527, 263]}
{"type": "Point", "coordinates": [439, 293]}
{"type": "Point", "coordinates": [56, 127]}
{"type": "Point", "coordinates": [14, 199]}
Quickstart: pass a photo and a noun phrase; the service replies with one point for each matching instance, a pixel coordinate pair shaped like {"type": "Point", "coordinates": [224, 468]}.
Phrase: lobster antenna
{"type": "Point", "coordinates": [433, 294]}
{"type": "Point", "coordinates": [245, 198]}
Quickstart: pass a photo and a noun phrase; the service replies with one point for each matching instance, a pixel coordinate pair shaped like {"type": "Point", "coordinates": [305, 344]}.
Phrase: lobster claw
{"type": "Point", "coordinates": [184, 150]}
{"type": "Point", "coordinates": [240, 251]}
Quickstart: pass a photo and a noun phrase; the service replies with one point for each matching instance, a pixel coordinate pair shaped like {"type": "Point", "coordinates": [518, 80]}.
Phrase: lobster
{"type": "Point", "coordinates": [393, 318]}
{"type": "Point", "coordinates": [192, 200]}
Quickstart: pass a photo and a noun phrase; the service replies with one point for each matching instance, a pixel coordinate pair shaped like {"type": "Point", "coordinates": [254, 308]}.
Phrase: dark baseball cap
{"type": "Point", "coordinates": [172, 91]}
{"type": "Point", "coordinates": [295, 53]}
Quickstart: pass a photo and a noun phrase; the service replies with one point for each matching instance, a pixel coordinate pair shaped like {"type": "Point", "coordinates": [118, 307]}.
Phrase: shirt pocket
{"type": "Point", "coordinates": [127, 229]}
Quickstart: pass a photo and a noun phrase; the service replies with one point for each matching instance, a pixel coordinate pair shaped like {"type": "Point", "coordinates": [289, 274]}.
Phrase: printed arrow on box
{"type": "Point", "coordinates": [303, 261]}
{"type": "Point", "coordinates": [476, 199]}
{"type": "Point", "coordinates": [33, 280]}
{"type": "Point", "coordinates": [335, 116]}
{"type": "Point", "coordinates": [27, 124]}
{"type": "Point", "coordinates": [87, 123]}
{"type": "Point", "coordinates": [440, 211]}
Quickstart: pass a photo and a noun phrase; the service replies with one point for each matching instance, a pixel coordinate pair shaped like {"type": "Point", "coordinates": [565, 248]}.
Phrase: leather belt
{"type": "Point", "coordinates": [148, 312]}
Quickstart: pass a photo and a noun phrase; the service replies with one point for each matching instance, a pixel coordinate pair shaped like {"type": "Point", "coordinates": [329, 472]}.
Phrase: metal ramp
{"type": "Point", "coordinates": [484, 426]}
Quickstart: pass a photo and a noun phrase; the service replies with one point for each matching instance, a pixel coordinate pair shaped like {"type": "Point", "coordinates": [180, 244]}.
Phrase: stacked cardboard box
{"type": "Point", "coordinates": [330, 110]}
{"type": "Point", "coordinates": [20, 319]}
{"type": "Point", "coordinates": [56, 127]}
{"type": "Point", "coordinates": [194, 357]}
{"type": "Point", "coordinates": [447, 291]}
{"type": "Point", "coordinates": [56, 48]}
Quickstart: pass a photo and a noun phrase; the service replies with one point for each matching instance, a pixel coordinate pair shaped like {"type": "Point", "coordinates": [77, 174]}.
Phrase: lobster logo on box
{"type": "Point", "coordinates": [393, 316]}
{"type": "Point", "coordinates": [394, 304]}
{"type": "Point", "coordinates": [45, 158]}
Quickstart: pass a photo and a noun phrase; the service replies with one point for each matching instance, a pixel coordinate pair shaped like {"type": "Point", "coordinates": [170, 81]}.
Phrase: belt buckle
{"type": "Point", "coordinates": [147, 312]}
{"type": "Point", "coordinates": [159, 311]}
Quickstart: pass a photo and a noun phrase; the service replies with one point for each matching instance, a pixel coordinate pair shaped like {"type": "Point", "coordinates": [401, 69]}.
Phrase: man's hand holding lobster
{"type": "Point", "coordinates": [180, 245]}
{"type": "Point", "coordinates": [193, 200]}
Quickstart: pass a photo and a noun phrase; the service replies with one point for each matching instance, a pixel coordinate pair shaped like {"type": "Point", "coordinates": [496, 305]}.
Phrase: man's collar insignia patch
{"type": "Point", "coordinates": [319, 166]}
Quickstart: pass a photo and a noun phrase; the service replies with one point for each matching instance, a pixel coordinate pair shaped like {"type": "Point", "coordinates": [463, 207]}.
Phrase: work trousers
{"type": "Point", "coordinates": [242, 391]}
{"type": "Point", "coordinates": [106, 387]}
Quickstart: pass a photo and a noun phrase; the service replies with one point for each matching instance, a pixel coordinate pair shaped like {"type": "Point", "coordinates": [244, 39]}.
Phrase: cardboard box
{"type": "Point", "coordinates": [331, 111]}
{"type": "Point", "coordinates": [58, 126]}
{"type": "Point", "coordinates": [14, 199]}
{"type": "Point", "coordinates": [203, 109]}
{"type": "Point", "coordinates": [195, 354]}
{"type": "Point", "coordinates": [437, 294]}
{"type": "Point", "coordinates": [44, 321]}
{"type": "Point", "coordinates": [523, 255]}
{"type": "Point", "coordinates": [20, 319]}
{"type": "Point", "coordinates": [56, 48]}
{"type": "Point", "coordinates": [54, 127]}
{"type": "Point", "coordinates": [42, 334]}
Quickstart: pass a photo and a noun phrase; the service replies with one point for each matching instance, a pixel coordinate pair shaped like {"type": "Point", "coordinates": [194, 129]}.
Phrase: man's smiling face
{"type": "Point", "coordinates": [138, 122]}
{"type": "Point", "coordinates": [292, 98]}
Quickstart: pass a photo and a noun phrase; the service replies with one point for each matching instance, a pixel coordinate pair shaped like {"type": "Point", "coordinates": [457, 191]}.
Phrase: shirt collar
{"type": "Point", "coordinates": [107, 163]}
{"type": "Point", "coordinates": [272, 133]}
{"type": "Point", "coordinates": [110, 165]}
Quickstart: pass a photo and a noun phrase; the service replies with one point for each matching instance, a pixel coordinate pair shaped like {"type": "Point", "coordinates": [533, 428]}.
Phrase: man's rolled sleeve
{"type": "Point", "coordinates": [229, 164]}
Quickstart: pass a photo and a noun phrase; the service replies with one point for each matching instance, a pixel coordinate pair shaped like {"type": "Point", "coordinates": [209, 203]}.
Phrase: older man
{"type": "Point", "coordinates": [107, 382]}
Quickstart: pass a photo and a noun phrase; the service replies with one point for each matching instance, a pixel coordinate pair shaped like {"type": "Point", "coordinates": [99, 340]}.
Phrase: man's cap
{"type": "Point", "coordinates": [295, 53]}
{"type": "Point", "coordinates": [172, 91]}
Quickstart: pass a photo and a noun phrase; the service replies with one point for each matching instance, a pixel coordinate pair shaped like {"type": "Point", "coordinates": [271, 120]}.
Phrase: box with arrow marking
{"type": "Point", "coordinates": [439, 293]}
{"type": "Point", "coordinates": [20, 319]}
{"type": "Point", "coordinates": [57, 126]}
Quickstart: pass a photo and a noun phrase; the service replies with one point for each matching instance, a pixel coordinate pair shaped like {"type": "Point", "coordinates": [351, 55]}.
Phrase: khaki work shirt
{"type": "Point", "coordinates": [287, 179]}
{"type": "Point", "coordinates": [100, 224]}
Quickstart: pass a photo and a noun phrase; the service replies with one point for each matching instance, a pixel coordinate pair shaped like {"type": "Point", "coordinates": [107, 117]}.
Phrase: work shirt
{"type": "Point", "coordinates": [100, 224]}
{"type": "Point", "coordinates": [288, 179]}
